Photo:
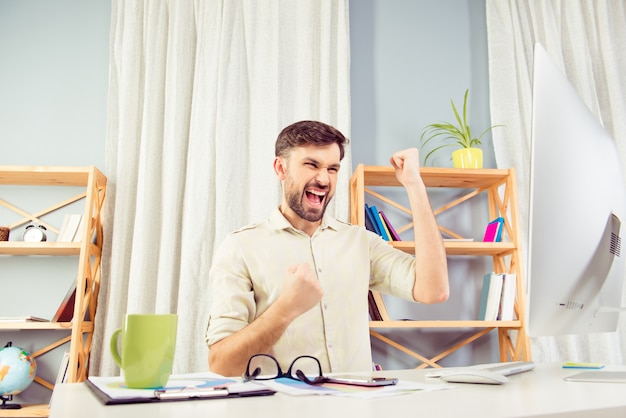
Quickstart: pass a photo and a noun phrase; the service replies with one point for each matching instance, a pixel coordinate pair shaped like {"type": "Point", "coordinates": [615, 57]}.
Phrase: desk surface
{"type": "Point", "coordinates": [537, 393]}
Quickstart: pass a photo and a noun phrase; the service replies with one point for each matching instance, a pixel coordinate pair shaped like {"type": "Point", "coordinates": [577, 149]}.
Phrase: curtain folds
{"type": "Point", "coordinates": [198, 92]}
{"type": "Point", "coordinates": [586, 39]}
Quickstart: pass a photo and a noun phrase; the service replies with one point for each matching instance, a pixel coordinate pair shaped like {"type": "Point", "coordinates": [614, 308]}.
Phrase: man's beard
{"type": "Point", "coordinates": [294, 200]}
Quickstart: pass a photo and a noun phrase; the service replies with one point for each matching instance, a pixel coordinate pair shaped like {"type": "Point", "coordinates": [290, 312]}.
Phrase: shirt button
{"type": "Point", "coordinates": [319, 269]}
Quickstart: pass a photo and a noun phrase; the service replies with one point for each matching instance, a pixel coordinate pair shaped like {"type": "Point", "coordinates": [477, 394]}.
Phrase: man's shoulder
{"type": "Point", "coordinates": [344, 223]}
{"type": "Point", "coordinates": [338, 224]}
{"type": "Point", "coordinates": [245, 228]}
{"type": "Point", "coordinates": [247, 236]}
{"type": "Point", "coordinates": [261, 228]}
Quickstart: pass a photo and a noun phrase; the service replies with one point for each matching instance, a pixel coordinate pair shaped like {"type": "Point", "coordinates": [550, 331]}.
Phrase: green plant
{"type": "Point", "coordinates": [460, 134]}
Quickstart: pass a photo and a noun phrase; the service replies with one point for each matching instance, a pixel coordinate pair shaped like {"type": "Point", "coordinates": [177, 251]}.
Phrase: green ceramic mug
{"type": "Point", "coordinates": [148, 343]}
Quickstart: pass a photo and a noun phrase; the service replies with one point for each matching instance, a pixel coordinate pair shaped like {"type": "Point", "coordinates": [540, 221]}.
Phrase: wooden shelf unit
{"type": "Point", "coordinates": [78, 332]}
{"type": "Point", "coordinates": [500, 187]}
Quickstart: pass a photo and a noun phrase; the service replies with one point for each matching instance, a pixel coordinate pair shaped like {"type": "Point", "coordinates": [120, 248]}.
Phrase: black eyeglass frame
{"type": "Point", "coordinates": [299, 374]}
{"type": "Point", "coordinates": [318, 380]}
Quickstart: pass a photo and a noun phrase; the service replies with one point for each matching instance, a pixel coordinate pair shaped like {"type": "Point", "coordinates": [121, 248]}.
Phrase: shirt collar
{"type": "Point", "coordinates": [278, 221]}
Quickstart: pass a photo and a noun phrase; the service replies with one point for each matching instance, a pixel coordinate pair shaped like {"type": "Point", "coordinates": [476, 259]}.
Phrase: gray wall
{"type": "Point", "coordinates": [53, 92]}
{"type": "Point", "coordinates": [409, 58]}
{"type": "Point", "coordinates": [53, 81]}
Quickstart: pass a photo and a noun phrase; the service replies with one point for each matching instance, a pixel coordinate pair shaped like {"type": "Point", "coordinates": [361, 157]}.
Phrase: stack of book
{"type": "Point", "coordinates": [376, 221]}
{"type": "Point", "coordinates": [497, 299]}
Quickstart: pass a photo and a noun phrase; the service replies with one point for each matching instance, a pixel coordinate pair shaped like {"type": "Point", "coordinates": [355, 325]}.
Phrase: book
{"type": "Point", "coordinates": [385, 227]}
{"type": "Point", "coordinates": [490, 297]}
{"type": "Point", "coordinates": [78, 235]}
{"type": "Point", "coordinates": [373, 308]}
{"type": "Point", "coordinates": [370, 223]}
{"type": "Point", "coordinates": [69, 227]}
{"type": "Point", "coordinates": [507, 300]}
{"type": "Point", "coordinates": [63, 228]}
{"type": "Point", "coordinates": [392, 232]}
{"type": "Point", "coordinates": [379, 222]}
{"type": "Point", "coordinates": [61, 374]}
{"type": "Point", "coordinates": [500, 229]}
{"type": "Point", "coordinates": [65, 311]}
{"type": "Point", "coordinates": [493, 232]}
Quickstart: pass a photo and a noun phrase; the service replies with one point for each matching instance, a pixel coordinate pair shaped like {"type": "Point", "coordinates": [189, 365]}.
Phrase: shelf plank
{"type": "Point", "coordinates": [45, 176]}
{"type": "Point", "coordinates": [438, 177]}
{"type": "Point", "coordinates": [87, 326]}
{"type": "Point", "coordinates": [445, 324]}
{"type": "Point", "coordinates": [34, 410]}
{"type": "Point", "coordinates": [40, 248]}
{"type": "Point", "coordinates": [471, 248]}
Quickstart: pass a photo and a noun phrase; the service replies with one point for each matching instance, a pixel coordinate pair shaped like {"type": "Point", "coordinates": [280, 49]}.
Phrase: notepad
{"type": "Point", "coordinates": [583, 365]}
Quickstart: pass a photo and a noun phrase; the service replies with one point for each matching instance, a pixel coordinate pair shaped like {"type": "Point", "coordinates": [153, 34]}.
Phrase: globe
{"type": "Point", "coordinates": [17, 370]}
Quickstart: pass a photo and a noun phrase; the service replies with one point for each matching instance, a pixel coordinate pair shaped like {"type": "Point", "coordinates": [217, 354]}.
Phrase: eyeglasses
{"type": "Point", "coordinates": [266, 367]}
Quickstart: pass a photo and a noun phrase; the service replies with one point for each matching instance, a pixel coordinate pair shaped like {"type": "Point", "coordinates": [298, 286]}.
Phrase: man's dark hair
{"type": "Point", "coordinates": [308, 132]}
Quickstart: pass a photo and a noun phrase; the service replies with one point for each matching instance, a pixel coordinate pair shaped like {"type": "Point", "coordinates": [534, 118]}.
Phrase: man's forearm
{"type": "Point", "coordinates": [230, 355]}
{"type": "Point", "coordinates": [431, 272]}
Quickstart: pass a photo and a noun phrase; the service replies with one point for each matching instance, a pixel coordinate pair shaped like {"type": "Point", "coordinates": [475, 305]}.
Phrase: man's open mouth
{"type": "Point", "coordinates": [315, 197]}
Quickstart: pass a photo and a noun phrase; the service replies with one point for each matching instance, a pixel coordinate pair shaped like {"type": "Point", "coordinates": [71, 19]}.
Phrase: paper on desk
{"type": "Point", "coordinates": [298, 388]}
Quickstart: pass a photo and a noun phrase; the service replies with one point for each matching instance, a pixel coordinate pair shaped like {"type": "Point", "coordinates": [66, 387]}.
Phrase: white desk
{"type": "Point", "coordinates": [541, 392]}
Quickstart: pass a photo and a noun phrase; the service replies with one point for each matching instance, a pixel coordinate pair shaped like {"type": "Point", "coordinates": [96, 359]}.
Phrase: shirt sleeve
{"type": "Point", "coordinates": [392, 271]}
{"type": "Point", "coordinates": [232, 305]}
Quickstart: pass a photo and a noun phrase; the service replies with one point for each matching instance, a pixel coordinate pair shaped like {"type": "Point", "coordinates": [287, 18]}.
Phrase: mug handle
{"type": "Point", "coordinates": [114, 352]}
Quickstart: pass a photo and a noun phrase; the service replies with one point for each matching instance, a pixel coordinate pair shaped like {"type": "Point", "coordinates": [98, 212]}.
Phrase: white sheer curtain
{"type": "Point", "coordinates": [587, 39]}
{"type": "Point", "coordinates": [198, 93]}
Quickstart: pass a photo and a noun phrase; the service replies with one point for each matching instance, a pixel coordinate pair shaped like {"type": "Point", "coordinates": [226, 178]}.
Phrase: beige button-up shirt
{"type": "Point", "coordinates": [249, 269]}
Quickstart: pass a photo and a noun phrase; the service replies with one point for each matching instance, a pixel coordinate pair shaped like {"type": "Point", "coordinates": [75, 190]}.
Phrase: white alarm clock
{"type": "Point", "coordinates": [35, 233]}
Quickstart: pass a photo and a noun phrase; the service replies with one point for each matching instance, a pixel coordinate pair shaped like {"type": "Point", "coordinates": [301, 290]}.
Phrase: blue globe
{"type": "Point", "coordinates": [17, 370]}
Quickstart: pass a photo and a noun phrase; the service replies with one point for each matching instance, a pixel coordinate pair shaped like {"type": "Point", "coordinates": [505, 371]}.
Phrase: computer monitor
{"type": "Point", "coordinates": [577, 205]}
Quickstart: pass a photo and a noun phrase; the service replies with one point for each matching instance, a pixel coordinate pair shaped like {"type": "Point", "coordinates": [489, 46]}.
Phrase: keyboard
{"type": "Point", "coordinates": [505, 369]}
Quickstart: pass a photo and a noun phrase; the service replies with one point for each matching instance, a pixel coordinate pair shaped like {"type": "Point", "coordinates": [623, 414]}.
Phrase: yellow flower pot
{"type": "Point", "coordinates": [468, 158]}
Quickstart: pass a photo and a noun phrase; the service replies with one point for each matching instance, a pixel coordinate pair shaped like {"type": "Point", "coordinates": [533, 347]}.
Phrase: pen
{"type": "Point", "coordinates": [188, 393]}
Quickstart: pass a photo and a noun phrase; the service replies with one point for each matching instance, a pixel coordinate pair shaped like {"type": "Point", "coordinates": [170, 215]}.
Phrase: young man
{"type": "Point", "coordinates": [297, 284]}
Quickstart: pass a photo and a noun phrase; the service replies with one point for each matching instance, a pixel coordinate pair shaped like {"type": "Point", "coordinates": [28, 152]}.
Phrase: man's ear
{"type": "Point", "coordinates": [280, 167]}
